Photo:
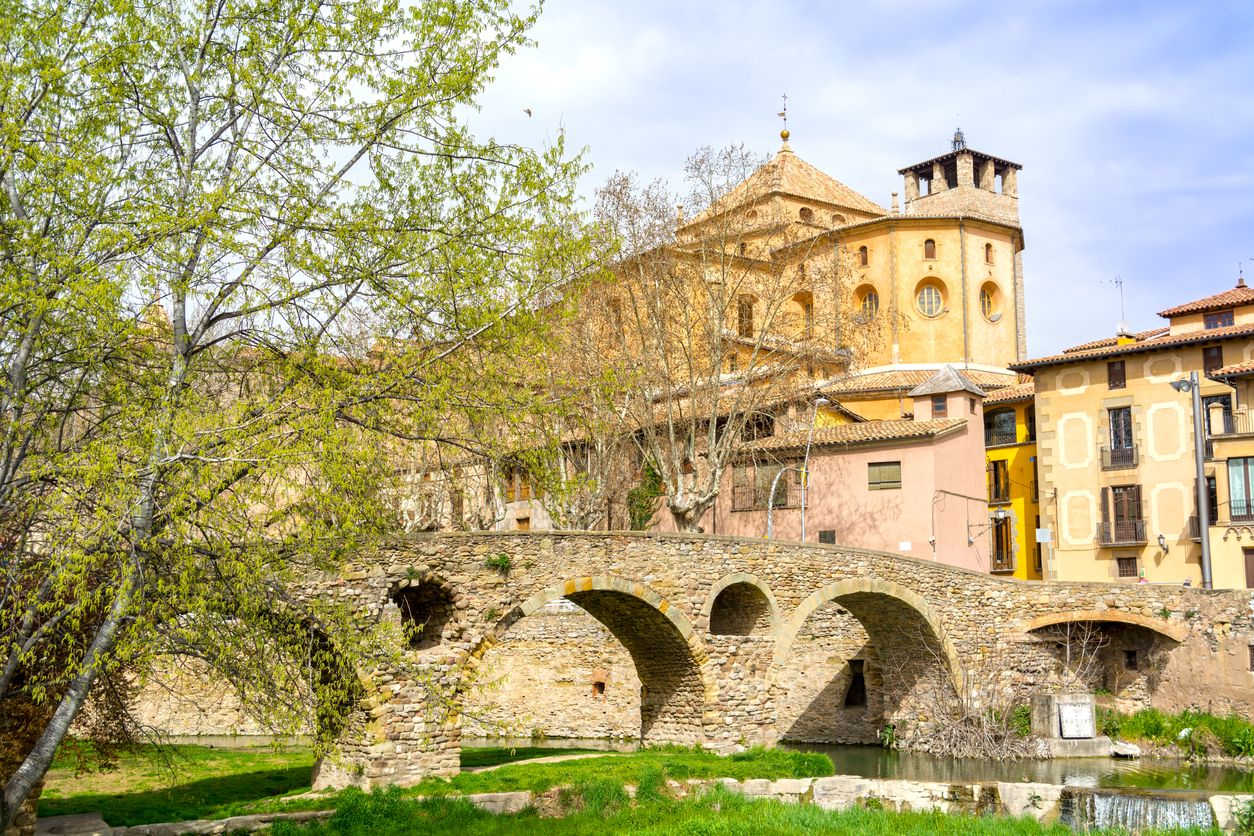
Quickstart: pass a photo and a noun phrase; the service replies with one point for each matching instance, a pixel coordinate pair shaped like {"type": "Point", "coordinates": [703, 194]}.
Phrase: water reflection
{"type": "Point", "coordinates": [875, 762]}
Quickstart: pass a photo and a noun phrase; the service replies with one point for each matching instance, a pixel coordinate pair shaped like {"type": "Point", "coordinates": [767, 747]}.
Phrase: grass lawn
{"type": "Point", "coordinates": [605, 810]}
{"type": "Point", "coordinates": [185, 782]}
{"type": "Point", "coordinates": [198, 782]}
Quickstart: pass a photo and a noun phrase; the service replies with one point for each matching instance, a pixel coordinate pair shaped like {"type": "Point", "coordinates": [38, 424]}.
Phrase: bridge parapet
{"type": "Point", "coordinates": [710, 620]}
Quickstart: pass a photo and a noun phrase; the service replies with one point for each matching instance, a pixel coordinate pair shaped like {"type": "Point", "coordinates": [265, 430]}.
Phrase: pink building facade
{"type": "Point", "coordinates": [915, 486]}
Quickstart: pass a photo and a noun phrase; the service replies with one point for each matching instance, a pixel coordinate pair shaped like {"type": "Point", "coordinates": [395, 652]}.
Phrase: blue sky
{"type": "Point", "coordinates": [1134, 121]}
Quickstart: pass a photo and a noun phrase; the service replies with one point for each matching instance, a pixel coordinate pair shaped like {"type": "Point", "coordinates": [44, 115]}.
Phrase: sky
{"type": "Point", "coordinates": [1134, 122]}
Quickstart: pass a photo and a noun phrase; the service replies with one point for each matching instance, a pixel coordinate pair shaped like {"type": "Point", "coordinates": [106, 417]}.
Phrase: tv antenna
{"type": "Point", "coordinates": [1117, 281]}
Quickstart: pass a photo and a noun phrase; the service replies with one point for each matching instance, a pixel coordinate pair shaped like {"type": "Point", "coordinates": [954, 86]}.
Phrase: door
{"type": "Point", "coordinates": [1249, 568]}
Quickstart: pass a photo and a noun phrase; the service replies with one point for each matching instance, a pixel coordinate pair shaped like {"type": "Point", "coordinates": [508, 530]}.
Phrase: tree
{"type": "Point", "coordinates": [718, 322]}
{"type": "Point", "coordinates": [240, 240]}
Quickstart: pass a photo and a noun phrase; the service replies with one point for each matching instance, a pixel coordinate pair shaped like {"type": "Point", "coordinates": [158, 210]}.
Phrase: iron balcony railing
{"type": "Point", "coordinates": [1242, 423]}
{"type": "Point", "coordinates": [994, 438]}
{"type": "Point", "coordinates": [1119, 458]}
{"type": "Point", "coordinates": [1121, 533]}
{"type": "Point", "coordinates": [1241, 510]}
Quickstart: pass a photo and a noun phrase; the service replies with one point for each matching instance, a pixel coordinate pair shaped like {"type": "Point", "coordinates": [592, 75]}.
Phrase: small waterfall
{"type": "Point", "coordinates": [1133, 812]}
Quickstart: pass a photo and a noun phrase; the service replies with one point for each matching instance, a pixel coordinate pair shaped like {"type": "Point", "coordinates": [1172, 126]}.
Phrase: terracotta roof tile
{"type": "Point", "coordinates": [907, 379]}
{"type": "Point", "coordinates": [1107, 341]}
{"type": "Point", "coordinates": [1234, 370]}
{"type": "Point", "coordinates": [1019, 392]}
{"type": "Point", "coordinates": [868, 432]}
{"type": "Point", "coordinates": [945, 381]}
{"type": "Point", "coordinates": [1152, 344]}
{"type": "Point", "coordinates": [1239, 295]}
{"type": "Point", "coordinates": [787, 173]}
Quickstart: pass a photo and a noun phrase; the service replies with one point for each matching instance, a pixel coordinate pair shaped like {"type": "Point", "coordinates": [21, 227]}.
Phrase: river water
{"type": "Point", "coordinates": [876, 762]}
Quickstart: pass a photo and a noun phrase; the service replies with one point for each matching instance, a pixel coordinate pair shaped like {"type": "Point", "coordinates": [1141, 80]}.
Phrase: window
{"type": "Point", "coordinates": [837, 219]}
{"type": "Point", "coordinates": [855, 695]}
{"type": "Point", "coordinates": [523, 523]}
{"type": "Point", "coordinates": [1212, 358]}
{"type": "Point", "coordinates": [1030, 415]}
{"type": "Point", "coordinates": [863, 256]}
{"type": "Point", "coordinates": [1240, 489]}
{"type": "Point", "coordinates": [1224, 424]}
{"type": "Point", "coordinates": [988, 302]}
{"type": "Point", "coordinates": [1127, 525]}
{"type": "Point", "coordinates": [999, 427]}
{"type": "Point", "coordinates": [1218, 319]}
{"type": "Point", "coordinates": [999, 481]}
{"type": "Point", "coordinates": [1038, 546]}
{"type": "Point", "coordinates": [1127, 567]}
{"type": "Point", "coordinates": [1129, 660]}
{"type": "Point", "coordinates": [929, 248]}
{"type": "Point", "coordinates": [929, 300]}
{"type": "Point", "coordinates": [1122, 449]}
{"type": "Point", "coordinates": [598, 688]}
{"type": "Point", "coordinates": [511, 492]}
{"type": "Point", "coordinates": [939, 403]}
{"type": "Point", "coordinates": [884, 476]}
{"type": "Point", "coordinates": [807, 214]}
{"type": "Point", "coordinates": [1252, 657]}
{"type": "Point", "coordinates": [744, 316]}
{"type": "Point", "coordinates": [1003, 558]}
{"type": "Point", "coordinates": [752, 483]}
{"type": "Point", "coordinates": [870, 304]}
{"type": "Point", "coordinates": [828, 536]}
{"type": "Point", "coordinates": [742, 248]}
{"type": "Point", "coordinates": [1116, 376]}
{"type": "Point", "coordinates": [988, 253]}
{"type": "Point", "coordinates": [758, 426]}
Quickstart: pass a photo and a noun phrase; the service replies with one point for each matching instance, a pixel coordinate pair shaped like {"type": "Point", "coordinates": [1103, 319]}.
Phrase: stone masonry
{"type": "Point", "coordinates": [659, 595]}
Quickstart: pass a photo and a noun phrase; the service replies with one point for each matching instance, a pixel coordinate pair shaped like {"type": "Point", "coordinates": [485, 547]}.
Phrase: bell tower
{"type": "Point", "coordinates": [964, 182]}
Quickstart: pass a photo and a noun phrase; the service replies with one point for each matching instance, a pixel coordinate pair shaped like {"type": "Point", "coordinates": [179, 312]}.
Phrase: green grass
{"type": "Point", "coordinates": [216, 783]}
{"type": "Point", "coordinates": [603, 808]}
{"type": "Point", "coordinates": [179, 783]}
{"type": "Point", "coordinates": [1208, 734]}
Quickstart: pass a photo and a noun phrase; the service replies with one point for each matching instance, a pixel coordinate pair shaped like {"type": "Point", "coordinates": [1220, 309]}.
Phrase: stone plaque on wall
{"type": "Point", "coordinates": [1076, 720]}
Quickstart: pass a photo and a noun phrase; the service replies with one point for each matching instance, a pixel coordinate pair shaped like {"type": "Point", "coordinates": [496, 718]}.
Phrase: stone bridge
{"type": "Point", "coordinates": [711, 623]}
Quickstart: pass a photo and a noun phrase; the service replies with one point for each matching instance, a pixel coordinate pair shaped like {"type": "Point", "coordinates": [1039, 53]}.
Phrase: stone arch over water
{"type": "Point", "coordinates": [670, 660]}
{"type": "Point", "coordinates": [861, 654]}
{"type": "Point", "coordinates": [741, 605]}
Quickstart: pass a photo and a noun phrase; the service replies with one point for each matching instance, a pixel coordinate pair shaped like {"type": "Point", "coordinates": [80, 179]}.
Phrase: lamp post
{"type": "Point", "coordinates": [804, 470]}
{"type": "Point", "coordinates": [805, 465]}
{"type": "Point", "coordinates": [1193, 387]}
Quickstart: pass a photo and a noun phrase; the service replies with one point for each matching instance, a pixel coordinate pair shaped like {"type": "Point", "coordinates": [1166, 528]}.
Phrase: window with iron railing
{"type": "Point", "coordinates": [999, 427]}
{"type": "Point", "coordinates": [1002, 558]}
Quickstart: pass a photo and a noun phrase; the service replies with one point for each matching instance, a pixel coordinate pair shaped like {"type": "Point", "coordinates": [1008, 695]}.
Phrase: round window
{"type": "Point", "coordinates": [870, 304]}
{"type": "Point", "coordinates": [929, 300]}
{"type": "Point", "coordinates": [807, 214]}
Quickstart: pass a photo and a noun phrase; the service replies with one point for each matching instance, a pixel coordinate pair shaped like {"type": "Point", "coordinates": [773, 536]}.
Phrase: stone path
{"type": "Point", "coordinates": [545, 759]}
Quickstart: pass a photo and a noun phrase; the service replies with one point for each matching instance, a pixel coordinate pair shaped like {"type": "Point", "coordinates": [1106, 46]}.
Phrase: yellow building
{"type": "Point", "coordinates": [1010, 450]}
{"type": "Point", "coordinates": [1116, 448]}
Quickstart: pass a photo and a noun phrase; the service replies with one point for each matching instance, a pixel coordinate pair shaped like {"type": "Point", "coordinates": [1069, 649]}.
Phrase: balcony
{"type": "Point", "coordinates": [1241, 423]}
{"type": "Point", "coordinates": [996, 438]}
{"type": "Point", "coordinates": [1121, 533]}
{"type": "Point", "coordinates": [1119, 458]}
{"type": "Point", "coordinates": [1241, 510]}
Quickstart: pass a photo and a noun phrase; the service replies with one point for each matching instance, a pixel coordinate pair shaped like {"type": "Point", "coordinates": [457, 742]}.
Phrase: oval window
{"type": "Point", "coordinates": [929, 300]}
{"type": "Point", "coordinates": [807, 214]}
{"type": "Point", "coordinates": [870, 304]}
{"type": "Point", "coordinates": [988, 302]}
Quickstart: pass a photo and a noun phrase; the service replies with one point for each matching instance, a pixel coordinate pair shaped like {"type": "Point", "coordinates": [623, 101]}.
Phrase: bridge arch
{"type": "Point", "coordinates": [860, 655]}
{"type": "Point", "coordinates": [671, 661]}
{"type": "Point", "coordinates": [740, 604]}
{"type": "Point", "coordinates": [1163, 627]}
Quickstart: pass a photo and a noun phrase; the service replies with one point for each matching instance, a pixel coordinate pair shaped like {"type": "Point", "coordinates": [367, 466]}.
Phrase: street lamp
{"type": "Point", "coordinates": [804, 470]}
{"type": "Point", "coordinates": [997, 516]}
{"type": "Point", "coordinates": [1193, 387]}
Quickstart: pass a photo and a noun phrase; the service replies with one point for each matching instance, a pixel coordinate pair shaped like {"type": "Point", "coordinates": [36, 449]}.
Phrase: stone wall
{"type": "Point", "coordinates": [557, 673]}
{"type": "Point", "coordinates": [931, 626]}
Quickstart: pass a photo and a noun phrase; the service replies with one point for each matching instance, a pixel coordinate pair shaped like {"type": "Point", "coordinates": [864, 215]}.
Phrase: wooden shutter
{"type": "Point", "coordinates": [1136, 502]}
{"type": "Point", "coordinates": [1106, 506]}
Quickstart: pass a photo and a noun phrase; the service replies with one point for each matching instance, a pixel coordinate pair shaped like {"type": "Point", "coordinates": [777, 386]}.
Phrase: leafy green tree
{"type": "Point", "coordinates": [240, 242]}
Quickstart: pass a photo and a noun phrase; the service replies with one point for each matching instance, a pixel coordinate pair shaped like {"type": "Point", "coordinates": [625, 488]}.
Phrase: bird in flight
{"type": "Point", "coordinates": [527, 111]}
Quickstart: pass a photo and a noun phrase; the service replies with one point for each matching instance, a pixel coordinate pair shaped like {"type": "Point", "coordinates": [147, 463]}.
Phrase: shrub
{"type": "Point", "coordinates": [499, 562]}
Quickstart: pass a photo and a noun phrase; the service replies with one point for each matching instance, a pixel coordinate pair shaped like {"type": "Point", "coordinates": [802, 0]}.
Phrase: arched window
{"type": "Point", "coordinates": [868, 303]}
{"type": "Point", "coordinates": [837, 219]}
{"type": "Point", "coordinates": [807, 214]}
{"type": "Point", "coordinates": [929, 248]}
{"type": "Point", "coordinates": [930, 300]}
{"type": "Point", "coordinates": [744, 315]}
{"type": "Point", "coordinates": [999, 427]}
{"type": "Point", "coordinates": [990, 299]}
{"type": "Point", "coordinates": [863, 256]}
{"type": "Point", "coordinates": [988, 253]}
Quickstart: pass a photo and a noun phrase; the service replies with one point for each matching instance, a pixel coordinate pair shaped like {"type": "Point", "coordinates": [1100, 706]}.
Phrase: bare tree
{"type": "Point", "coordinates": [714, 321]}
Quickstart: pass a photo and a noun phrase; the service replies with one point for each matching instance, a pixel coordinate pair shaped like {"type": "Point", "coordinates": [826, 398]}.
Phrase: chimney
{"type": "Point", "coordinates": [894, 204]}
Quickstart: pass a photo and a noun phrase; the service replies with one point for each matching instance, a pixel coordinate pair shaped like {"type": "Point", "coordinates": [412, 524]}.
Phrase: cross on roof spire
{"type": "Point", "coordinates": [783, 114]}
